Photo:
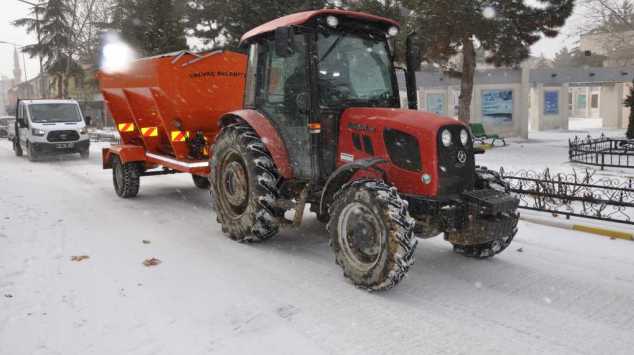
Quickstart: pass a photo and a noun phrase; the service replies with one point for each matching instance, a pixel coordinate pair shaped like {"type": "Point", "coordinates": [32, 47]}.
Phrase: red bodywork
{"type": "Point", "coordinates": [301, 18]}
{"type": "Point", "coordinates": [168, 94]}
{"type": "Point", "coordinates": [423, 125]}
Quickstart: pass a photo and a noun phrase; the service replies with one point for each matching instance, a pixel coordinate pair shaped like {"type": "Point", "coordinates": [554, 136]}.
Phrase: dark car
{"type": "Point", "coordinates": [5, 122]}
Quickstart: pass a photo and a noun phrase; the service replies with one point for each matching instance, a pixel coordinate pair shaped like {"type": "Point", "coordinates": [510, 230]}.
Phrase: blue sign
{"type": "Point", "coordinates": [497, 107]}
{"type": "Point", "coordinates": [551, 102]}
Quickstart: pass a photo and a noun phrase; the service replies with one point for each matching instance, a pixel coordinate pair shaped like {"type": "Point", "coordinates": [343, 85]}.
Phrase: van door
{"type": "Point", "coordinates": [23, 130]}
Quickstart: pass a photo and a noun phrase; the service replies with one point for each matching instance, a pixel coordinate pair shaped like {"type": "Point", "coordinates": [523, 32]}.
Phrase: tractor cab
{"type": "Point", "coordinates": [306, 69]}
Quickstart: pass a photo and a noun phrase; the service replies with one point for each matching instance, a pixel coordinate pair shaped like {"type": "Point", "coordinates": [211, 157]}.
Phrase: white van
{"type": "Point", "coordinates": [50, 127]}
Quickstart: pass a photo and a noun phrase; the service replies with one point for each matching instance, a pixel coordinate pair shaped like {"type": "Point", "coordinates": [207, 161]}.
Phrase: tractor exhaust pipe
{"type": "Point", "coordinates": [412, 62]}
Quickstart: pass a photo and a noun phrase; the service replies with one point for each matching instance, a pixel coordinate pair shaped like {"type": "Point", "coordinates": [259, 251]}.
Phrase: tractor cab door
{"type": "Point", "coordinates": [282, 94]}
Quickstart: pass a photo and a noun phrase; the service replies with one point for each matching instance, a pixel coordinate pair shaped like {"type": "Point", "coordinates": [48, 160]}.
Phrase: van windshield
{"type": "Point", "coordinates": [43, 113]}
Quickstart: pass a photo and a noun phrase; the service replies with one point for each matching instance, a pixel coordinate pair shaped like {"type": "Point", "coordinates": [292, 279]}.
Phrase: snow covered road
{"type": "Point", "coordinates": [552, 292]}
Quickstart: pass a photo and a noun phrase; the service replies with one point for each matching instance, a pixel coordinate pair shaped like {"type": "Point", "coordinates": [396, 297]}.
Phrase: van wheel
{"type": "Point", "coordinates": [84, 154]}
{"type": "Point", "coordinates": [372, 234]}
{"type": "Point", "coordinates": [244, 181]}
{"type": "Point", "coordinates": [201, 182]}
{"type": "Point", "coordinates": [125, 178]}
{"type": "Point", "coordinates": [16, 147]}
{"type": "Point", "coordinates": [32, 154]}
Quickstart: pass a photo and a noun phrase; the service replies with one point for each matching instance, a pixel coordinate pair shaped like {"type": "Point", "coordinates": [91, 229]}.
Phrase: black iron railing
{"type": "Point", "coordinates": [603, 151]}
{"type": "Point", "coordinates": [574, 194]}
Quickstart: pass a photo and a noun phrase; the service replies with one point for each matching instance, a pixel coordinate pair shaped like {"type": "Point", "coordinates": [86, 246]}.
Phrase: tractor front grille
{"type": "Point", "coordinates": [62, 136]}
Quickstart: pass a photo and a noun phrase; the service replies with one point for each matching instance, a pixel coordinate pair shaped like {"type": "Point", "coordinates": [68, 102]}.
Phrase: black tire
{"type": "Point", "coordinates": [489, 179]}
{"type": "Point", "coordinates": [125, 178]}
{"type": "Point", "coordinates": [201, 182]}
{"type": "Point", "coordinates": [84, 154]}
{"type": "Point", "coordinates": [244, 182]}
{"type": "Point", "coordinates": [33, 156]}
{"type": "Point", "coordinates": [17, 148]}
{"type": "Point", "coordinates": [381, 222]}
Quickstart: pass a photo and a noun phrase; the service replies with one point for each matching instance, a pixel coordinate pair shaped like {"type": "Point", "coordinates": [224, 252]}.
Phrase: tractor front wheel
{"type": "Point", "coordinates": [244, 181]}
{"type": "Point", "coordinates": [125, 178]}
{"type": "Point", "coordinates": [372, 234]}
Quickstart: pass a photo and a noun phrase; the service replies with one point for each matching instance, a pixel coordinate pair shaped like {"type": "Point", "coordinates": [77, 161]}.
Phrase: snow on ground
{"type": "Point", "coordinates": [552, 292]}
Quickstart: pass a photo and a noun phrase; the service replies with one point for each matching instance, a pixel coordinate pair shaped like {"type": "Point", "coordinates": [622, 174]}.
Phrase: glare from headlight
{"type": "Point", "coordinates": [446, 138]}
{"type": "Point", "coordinates": [392, 31]}
{"type": "Point", "coordinates": [332, 21]}
{"type": "Point", "coordinates": [464, 137]}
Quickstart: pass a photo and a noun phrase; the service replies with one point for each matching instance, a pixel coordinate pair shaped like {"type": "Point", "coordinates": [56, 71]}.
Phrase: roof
{"type": "Point", "coordinates": [48, 101]}
{"type": "Point", "coordinates": [303, 17]}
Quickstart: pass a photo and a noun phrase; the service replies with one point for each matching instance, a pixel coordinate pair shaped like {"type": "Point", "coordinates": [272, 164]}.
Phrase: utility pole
{"type": "Point", "coordinates": [43, 86]}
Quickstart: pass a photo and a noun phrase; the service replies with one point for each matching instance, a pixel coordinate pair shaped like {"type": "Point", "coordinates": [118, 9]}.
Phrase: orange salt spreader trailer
{"type": "Point", "coordinates": [166, 109]}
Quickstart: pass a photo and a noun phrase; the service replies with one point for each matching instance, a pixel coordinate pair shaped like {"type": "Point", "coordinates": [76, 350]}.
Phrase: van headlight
{"type": "Point", "coordinates": [37, 132]}
{"type": "Point", "coordinates": [446, 137]}
{"type": "Point", "coordinates": [83, 130]}
{"type": "Point", "coordinates": [464, 137]}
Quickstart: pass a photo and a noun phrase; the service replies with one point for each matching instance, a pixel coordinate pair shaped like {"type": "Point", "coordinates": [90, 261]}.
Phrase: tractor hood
{"type": "Point", "coordinates": [413, 122]}
{"type": "Point", "coordinates": [367, 132]}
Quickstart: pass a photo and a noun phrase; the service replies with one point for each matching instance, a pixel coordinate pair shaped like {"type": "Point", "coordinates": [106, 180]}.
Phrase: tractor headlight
{"type": "Point", "coordinates": [426, 179]}
{"type": "Point", "coordinates": [332, 21]}
{"type": "Point", "coordinates": [392, 31]}
{"type": "Point", "coordinates": [37, 132]}
{"type": "Point", "coordinates": [446, 137]}
{"type": "Point", "coordinates": [464, 137]}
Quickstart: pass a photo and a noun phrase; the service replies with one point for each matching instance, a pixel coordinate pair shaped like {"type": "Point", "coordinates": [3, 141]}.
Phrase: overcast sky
{"type": "Point", "coordinates": [13, 9]}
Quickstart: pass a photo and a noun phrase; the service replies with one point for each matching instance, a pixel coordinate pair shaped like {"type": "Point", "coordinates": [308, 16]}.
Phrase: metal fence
{"type": "Point", "coordinates": [603, 151]}
{"type": "Point", "coordinates": [578, 194]}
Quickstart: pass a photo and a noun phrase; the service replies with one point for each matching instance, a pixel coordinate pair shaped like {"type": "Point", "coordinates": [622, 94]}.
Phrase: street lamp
{"type": "Point", "coordinates": [39, 42]}
{"type": "Point", "coordinates": [17, 46]}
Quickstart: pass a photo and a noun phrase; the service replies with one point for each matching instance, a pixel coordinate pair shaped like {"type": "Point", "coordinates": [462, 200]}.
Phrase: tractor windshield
{"type": "Point", "coordinates": [354, 69]}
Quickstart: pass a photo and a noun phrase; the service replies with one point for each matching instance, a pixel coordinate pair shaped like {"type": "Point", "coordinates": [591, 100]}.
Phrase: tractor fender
{"type": "Point", "coordinates": [265, 129]}
{"type": "Point", "coordinates": [342, 175]}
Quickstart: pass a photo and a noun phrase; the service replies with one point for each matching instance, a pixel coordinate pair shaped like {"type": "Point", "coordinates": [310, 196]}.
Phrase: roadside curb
{"type": "Point", "coordinates": [603, 232]}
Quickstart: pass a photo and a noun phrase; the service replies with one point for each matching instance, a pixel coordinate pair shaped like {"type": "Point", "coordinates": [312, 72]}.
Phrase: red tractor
{"type": "Point", "coordinates": [321, 124]}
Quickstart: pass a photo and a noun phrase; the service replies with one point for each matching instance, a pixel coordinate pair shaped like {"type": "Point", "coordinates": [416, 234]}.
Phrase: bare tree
{"type": "Point", "coordinates": [609, 25]}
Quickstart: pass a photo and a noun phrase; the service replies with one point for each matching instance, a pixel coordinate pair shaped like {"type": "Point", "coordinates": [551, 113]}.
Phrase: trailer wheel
{"type": "Point", "coordinates": [125, 178]}
{"type": "Point", "coordinates": [372, 234]}
{"type": "Point", "coordinates": [201, 182]}
{"type": "Point", "coordinates": [244, 181]}
{"type": "Point", "coordinates": [17, 148]}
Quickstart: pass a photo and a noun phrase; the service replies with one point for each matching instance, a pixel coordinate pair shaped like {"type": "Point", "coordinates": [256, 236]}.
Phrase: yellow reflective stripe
{"type": "Point", "coordinates": [126, 127]}
{"type": "Point", "coordinates": [179, 136]}
{"type": "Point", "coordinates": [149, 131]}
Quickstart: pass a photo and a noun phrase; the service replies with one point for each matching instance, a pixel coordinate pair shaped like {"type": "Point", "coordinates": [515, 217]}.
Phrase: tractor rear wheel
{"type": "Point", "coordinates": [125, 177]}
{"type": "Point", "coordinates": [372, 234]}
{"type": "Point", "coordinates": [244, 182]}
{"type": "Point", "coordinates": [201, 182]}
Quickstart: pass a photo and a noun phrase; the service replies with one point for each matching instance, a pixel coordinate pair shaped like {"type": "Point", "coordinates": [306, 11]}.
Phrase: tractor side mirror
{"type": "Point", "coordinates": [414, 57]}
{"type": "Point", "coordinates": [284, 42]}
